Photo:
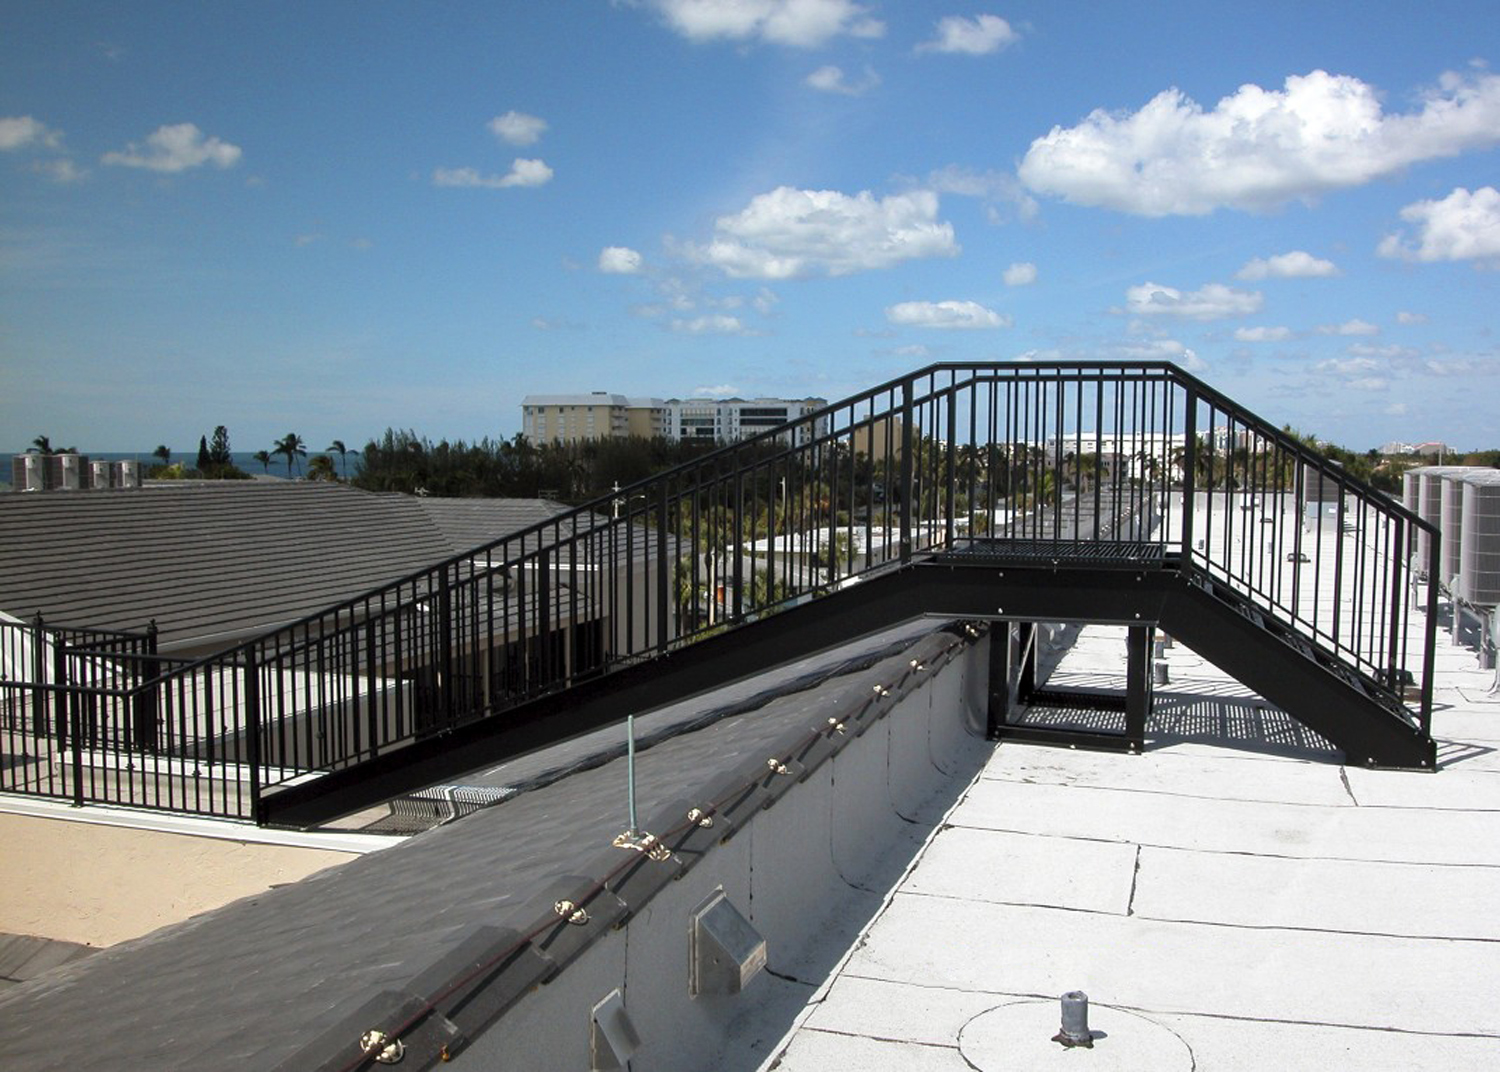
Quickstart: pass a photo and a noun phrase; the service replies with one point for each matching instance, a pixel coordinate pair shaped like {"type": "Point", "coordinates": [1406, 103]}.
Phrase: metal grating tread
{"type": "Point", "coordinates": [1089, 553]}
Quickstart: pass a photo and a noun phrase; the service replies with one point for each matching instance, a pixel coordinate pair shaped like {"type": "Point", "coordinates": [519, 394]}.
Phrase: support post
{"type": "Point", "coordinates": [1001, 634]}
{"type": "Point", "coordinates": [1026, 645]}
{"type": "Point", "coordinates": [1137, 685]}
{"type": "Point", "coordinates": [41, 713]}
{"type": "Point", "coordinates": [1189, 472]}
{"type": "Point", "coordinates": [906, 473]}
{"type": "Point", "coordinates": [252, 734]}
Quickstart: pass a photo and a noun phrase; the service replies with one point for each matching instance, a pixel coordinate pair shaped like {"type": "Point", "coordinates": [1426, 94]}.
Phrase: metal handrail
{"type": "Point", "coordinates": [954, 452]}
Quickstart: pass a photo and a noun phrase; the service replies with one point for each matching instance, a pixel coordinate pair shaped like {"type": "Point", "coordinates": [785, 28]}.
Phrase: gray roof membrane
{"type": "Point", "coordinates": [272, 981]}
{"type": "Point", "coordinates": [206, 559]}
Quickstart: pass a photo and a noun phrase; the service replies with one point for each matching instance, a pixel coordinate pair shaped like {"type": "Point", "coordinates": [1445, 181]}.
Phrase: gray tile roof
{"type": "Point", "coordinates": [225, 559]}
{"type": "Point", "coordinates": [249, 985]}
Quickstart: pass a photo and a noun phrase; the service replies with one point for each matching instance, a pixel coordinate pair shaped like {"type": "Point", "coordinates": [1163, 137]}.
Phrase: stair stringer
{"type": "Point", "coordinates": [1295, 675]}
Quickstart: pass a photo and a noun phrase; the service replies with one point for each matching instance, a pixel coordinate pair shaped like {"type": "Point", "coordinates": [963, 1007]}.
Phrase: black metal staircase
{"type": "Point", "coordinates": [1134, 495]}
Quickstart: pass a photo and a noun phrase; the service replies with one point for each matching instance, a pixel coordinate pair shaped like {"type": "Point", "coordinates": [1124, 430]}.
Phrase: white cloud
{"type": "Point", "coordinates": [1392, 352]}
{"type": "Point", "coordinates": [1257, 148]}
{"type": "Point", "coordinates": [1294, 265]}
{"type": "Point", "coordinates": [830, 79]}
{"type": "Point", "coordinates": [799, 23]}
{"type": "Point", "coordinates": [1163, 350]}
{"type": "Point", "coordinates": [518, 128]}
{"type": "Point", "coordinates": [995, 186]}
{"type": "Point", "coordinates": [978, 36]}
{"type": "Point", "coordinates": [1405, 317]}
{"type": "Point", "coordinates": [1396, 409]}
{"type": "Point", "coordinates": [522, 173]}
{"type": "Point", "coordinates": [789, 233]}
{"type": "Point", "coordinates": [174, 148]}
{"type": "Point", "coordinates": [18, 132]}
{"type": "Point", "coordinates": [718, 324]}
{"type": "Point", "coordinates": [1462, 226]}
{"type": "Point", "coordinates": [59, 170]}
{"type": "Point", "coordinates": [1263, 334]}
{"type": "Point", "coordinates": [1020, 274]}
{"type": "Point", "coordinates": [765, 301]}
{"type": "Point", "coordinates": [1369, 383]}
{"type": "Point", "coordinates": [619, 260]}
{"type": "Point", "coordinates": [1213, 301]}
{"type": "Point", "coordinates": [1352, 366]}
{"type": "Point", "coordinates": [718, 390]}
{"type": "Point", "coordinates": [945, 314]}
{"type": "Point", "coordinates": [1348, 327]}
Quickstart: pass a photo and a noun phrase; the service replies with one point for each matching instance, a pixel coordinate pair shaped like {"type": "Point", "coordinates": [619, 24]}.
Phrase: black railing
{"type": "Point", "coordinates": [949, 457]}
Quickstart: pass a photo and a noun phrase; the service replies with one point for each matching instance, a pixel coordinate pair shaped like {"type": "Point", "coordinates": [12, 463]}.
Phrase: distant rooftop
{"type": "Point", "coordinates": [211, 561]}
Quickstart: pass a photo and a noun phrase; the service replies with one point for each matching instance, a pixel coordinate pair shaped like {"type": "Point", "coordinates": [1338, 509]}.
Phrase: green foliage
{"type": "Point", "coordinates": [570, 472]}
{"type": "Point", "coordinates": [320, 467]}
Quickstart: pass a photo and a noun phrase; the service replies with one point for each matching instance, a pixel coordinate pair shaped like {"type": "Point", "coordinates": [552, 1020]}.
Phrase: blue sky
{"type": "Point", "coordinates": [335, 217]}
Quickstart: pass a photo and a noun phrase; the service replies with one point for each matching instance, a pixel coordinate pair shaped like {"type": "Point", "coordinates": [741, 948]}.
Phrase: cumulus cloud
{"type": "Point", "coordinates": [1294, 265]}
{"type": "Point", "coordinates": [1163, 350]}
{"type": "Point", "coordinates": [1351, 366]}
{"type": "Point", "coordinates": [522, 173]}
{"type": "Point", "coordinates": [717, 390]}
{"type": "Point", "coordinates": [1348, 327]}
{"type": "Point", "coordinates": [22, 131]}
{"type": "Point", "coordinates": [1020, 274]}
{"type": "Point", "coordinates": [945, 314]}
{"type": "Point", "coordinates": [176, 147]}
{"type": "Point", "coordinates": [1390, 353]}
{"type": "Point", "coordinates": [831, 79]}
{"type": "Point", "coordinates": [1214, 301]}
{"type": "Point", "coordinates": [1258, 148]}
{"type": "Point", "coordinates": [798, 23]}
{"type": "Point", "coordinates": [619, 260]}
{"type": "Point", "coordinates": [717, 324]}
{"type": "Point", "coordinates": [60, 170]}
{"type": "Point", "coordinates": [992, 186]}
{"type": "Point", "coordinates": [1462, 226]}
{"type": "Point", "coordinates": [1262, 334]}
{"type": "Point", "coordinates": [517, 128]}
{"type": "Point", "coordinates": [789, 233]}
{"type": "Point", "coordinates": [1405, 317]}
{"type": "Point", "coordinates": [978, 36]}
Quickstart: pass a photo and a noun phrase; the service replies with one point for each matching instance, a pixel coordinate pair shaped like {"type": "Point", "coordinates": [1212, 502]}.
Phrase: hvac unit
{"type": "Point", "coordinates": [1430, 505]}
{"type": "Point", "coordinates": [26, 472]}
{"type": "Point", "coordinates": [100, 474]}
{"type": "Point", "coordinates": [1479, 575]}
{"type": "Point", "coordinates": [63, 472]}
{"type": "Point", "coordinates": [1452, 526]}
{"type": "Point", "coordinates": [1411, 488]}
{"type": "Point", "coordinates": [127, 474]}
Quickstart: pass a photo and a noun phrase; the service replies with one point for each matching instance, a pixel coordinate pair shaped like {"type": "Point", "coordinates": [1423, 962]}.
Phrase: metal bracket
{"type": "Point", "coordinates": [642, 842]}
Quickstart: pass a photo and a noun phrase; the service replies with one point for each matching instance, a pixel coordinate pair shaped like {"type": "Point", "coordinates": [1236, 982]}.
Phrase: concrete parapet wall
{"type": "Point", "coordinates": [806, 873]}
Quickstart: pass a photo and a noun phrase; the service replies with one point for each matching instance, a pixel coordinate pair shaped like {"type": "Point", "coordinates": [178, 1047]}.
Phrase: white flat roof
{"type": "Point", "coordinates": [1247, 903]}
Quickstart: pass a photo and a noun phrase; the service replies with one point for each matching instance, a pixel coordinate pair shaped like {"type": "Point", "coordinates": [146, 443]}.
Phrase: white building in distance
{"type": "Point", "coordinates": [601, 415]}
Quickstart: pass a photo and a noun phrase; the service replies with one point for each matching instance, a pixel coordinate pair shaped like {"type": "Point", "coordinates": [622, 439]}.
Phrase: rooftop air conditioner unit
{"type": "Point", "coordinates": [1479, 573]}
{"type": "Point", "coordinates": [1453, 506]}
{"type": "Point", "coordinates": [100, 474]}
{"type": "Point", "coordinates": [26, 472]}
{"type": "Point", "coordinates": [127, 474]}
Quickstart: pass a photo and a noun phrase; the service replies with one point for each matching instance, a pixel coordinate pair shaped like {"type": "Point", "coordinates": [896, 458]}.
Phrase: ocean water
{"type": "Point", "coordinates": [244, 459]}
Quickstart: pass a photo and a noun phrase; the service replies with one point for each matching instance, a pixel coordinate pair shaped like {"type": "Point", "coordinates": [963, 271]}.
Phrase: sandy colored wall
{"type": "Point", "coordinates": [96, 884]}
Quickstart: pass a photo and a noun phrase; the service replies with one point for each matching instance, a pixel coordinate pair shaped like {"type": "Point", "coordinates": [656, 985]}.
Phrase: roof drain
{"type": "Point", "coordinates": [1075, 1021]}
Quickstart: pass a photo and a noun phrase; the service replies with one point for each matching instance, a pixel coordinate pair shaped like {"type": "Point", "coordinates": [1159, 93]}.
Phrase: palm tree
{"type": "Point", "coordinates": [337, 446]}
{"type": "Point", "coordinates": [320, 467]}
{"type": "Point", "coordinates": [164, 453]}
{"type": "Point", "coordinates": [291, 445]}
{"type": "Point", "coordinates": [40, 445]}
{"type": "Point", "coordinates": [264, 457]}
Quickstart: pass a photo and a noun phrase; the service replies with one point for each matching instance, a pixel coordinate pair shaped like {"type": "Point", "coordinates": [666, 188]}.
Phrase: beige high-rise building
{"type": "Point", "coordinates": [601, 415]}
